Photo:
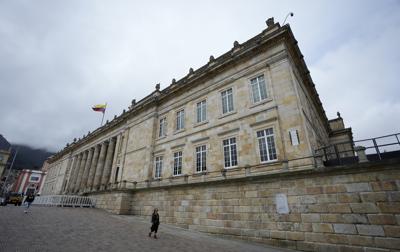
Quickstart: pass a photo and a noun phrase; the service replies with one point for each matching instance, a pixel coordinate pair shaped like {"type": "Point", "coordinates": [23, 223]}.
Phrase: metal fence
{"type": "Point", "coordinates": [64, 201]}
{"type": "Point", "coordinates": [378, 148]}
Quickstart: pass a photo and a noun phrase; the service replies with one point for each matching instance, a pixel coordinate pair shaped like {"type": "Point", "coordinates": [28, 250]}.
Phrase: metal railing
{"type": "Point", "coordinates": [377, 148]}
{"type": "Point", "coordinates": [64, 201]}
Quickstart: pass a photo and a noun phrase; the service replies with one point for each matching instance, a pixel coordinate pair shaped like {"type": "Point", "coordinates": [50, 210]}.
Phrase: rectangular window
{"type": "Point", "coordinates": [201, 111]}
{"type": "Point", "coordinates": [266, 144]}
{"type": "Point", "coordinates": [230, 152]}
{"type": "Point", "coordinates": [163, 125]}
{"type": "Point", "coordinates": [201, 158]}
{"type": "Point", "coordinates": [159, 165]}
{"type": "Point", "coordinates": [178, 163]}
{"type": "Point", "coordinates": [227, 101]}
{"type": "Point", "coordinates": [34, 178]}
{"type": "Point", "coordinates": [258, 89]}
{"type": "Point", "coordinates": [180, 119]}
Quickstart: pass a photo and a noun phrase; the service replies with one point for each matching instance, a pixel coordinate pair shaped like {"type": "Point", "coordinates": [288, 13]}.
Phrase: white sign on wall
{"type": "Point", "coordinates": [294, 137]}
{"type": "Point", "coordinates": [282, 206]}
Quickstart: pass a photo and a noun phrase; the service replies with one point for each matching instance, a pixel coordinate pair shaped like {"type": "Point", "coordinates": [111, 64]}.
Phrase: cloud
{"type": "Point", "coordinates": [57, 58]}
{"type": "Point", "coordinates": [359, 79]}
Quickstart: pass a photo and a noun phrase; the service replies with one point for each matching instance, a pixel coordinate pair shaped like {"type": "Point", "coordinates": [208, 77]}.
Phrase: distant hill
{"type": "Point", "coordinates": [29, 158]}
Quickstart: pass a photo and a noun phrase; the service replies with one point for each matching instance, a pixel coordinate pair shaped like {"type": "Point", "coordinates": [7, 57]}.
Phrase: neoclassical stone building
{"type": "Point", "coordinates": [249, 112]}
{"type": "Point", "coordinates": [234, 149]}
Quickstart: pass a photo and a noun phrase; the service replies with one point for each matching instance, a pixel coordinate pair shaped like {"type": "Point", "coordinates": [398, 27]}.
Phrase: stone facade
{"type": "Point", "coordinates": [347, 208]}
{"type": "Point", "coordinates": [260, 110]}
{"type": "Point", "coordinates": [118, 202]}
{"type": "Point", "coordinates": [55, 177]}
{"type": "Point", "coordinates": [5, 153]}
{"type": "Point", "coordinates": [215, 149]}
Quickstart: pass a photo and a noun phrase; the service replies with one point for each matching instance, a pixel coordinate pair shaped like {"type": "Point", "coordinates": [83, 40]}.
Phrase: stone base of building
{"type": "Point", "coordinates": [347, 207]}
{"type": "Point", "coordinates": [116, 202]}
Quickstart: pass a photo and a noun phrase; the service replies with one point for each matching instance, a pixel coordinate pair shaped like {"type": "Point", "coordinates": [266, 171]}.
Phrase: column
{"type": "Point", "coordinates": [100, 166]}
{"type": "Point", "coordinates": [75, 177]}
{"type": "Point", "coordinates": [65, 180]}
{"type": "Point", "coordinates": [92, 170]}
{"type": "Point", "coordinates": [86, 170]}
{"type": "Point", "coordinates": [71, 173]}
{"type": "Point", "coordinates": [108, 164]}
{"type": "Point", "coordinates": [80, 173]}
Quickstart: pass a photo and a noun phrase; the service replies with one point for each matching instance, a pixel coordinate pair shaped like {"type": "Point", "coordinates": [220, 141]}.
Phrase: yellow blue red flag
{"type": "Point", "coordinates": [99, 107]}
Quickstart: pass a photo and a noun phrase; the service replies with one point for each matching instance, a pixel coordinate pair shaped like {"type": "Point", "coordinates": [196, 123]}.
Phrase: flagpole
{"type": "Point", "coordinates": [103, 115]}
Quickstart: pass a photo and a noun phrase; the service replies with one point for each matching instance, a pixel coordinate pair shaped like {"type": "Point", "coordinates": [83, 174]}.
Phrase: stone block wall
{"type": "Point", "coordinates": [341, 209]}
{"type": "Point", "coordinates": [114, 202]}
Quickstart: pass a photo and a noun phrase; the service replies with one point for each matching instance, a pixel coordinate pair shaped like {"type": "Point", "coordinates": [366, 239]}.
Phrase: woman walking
{"type": "Point", "coordinates": [155, 221]}
{"type": "Point", "coordinates": [28, 201]}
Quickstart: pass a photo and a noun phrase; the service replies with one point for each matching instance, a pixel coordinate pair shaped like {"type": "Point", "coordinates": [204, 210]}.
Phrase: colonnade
{"type": "Point", "coordinates": [91, 168]}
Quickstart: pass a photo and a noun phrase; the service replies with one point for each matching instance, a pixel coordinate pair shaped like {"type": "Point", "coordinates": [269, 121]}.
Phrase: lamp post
{"type": "Point", "coordinates": [289, 14]}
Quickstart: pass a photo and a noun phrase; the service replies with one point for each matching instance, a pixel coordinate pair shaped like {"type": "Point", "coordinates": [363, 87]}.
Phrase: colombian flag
{"type": "Point", "coordinates": [99, 107]}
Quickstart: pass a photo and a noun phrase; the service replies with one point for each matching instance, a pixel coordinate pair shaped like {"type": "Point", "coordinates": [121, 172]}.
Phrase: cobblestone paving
{"type": "Point", "coordinates": [82, 229]}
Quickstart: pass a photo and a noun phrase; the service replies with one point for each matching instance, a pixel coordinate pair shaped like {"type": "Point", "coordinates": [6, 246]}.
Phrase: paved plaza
{"type": "Point", "coordinates": [82, 229]}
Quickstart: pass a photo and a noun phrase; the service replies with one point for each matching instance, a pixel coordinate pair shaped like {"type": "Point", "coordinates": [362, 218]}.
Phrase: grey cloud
{"type": "Point", "coordinates": [57, 58]}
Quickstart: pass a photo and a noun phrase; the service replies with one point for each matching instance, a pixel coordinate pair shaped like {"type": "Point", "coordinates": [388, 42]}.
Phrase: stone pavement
{"type": "Point", "coordinates": [82, 229]}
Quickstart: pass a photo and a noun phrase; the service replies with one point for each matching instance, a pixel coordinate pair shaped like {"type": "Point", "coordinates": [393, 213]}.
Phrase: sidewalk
{"type": "Point", "coordinates": [82, 229]}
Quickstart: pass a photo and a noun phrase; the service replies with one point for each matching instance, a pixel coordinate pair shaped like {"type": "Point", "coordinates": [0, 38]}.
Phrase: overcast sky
{"type": "Point", "coordinates": [58, 58]}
